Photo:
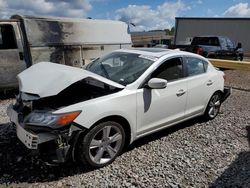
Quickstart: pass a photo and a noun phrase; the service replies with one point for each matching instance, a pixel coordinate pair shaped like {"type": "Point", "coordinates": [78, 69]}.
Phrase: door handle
{"type": "Point", "coordinates": [180, 92]}
{"type": "Point", "coordinates": [210, 82]}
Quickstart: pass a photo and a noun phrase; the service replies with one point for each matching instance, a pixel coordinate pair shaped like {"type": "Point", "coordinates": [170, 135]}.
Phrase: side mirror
{"type": "Point", "coordinates": [239, 45]}
{"type": "Point", "coordinates": [157, 83]}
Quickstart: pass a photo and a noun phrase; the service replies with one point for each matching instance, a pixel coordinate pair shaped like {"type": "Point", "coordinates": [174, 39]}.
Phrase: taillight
{"type": "Point", "coordinates": [199, 50]}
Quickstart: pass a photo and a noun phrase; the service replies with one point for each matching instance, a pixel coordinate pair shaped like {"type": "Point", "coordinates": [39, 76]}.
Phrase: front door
{"type": "Point", "coordinates": [11, 54]}
{"type": "Point", "coordinates": [222, 54]}
{"type": "Point", "coordinates": [157, 108]}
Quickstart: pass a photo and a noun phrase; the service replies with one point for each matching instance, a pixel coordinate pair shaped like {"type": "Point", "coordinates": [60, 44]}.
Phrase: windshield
{"type": "Point", "coordinates": [123, 68]}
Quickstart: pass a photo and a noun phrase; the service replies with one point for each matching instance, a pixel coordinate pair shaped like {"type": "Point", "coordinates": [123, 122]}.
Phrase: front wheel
{"type": "Point", "coordinates": [213, 106]}
{"type": "Point", "coordinates": [239, 58]}
{"type": "Point", "coordinates": [102, 144]}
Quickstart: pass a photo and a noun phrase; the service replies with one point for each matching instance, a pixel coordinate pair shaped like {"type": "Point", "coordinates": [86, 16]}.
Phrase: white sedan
{"type": "Point", "coordinates": [91, 114]}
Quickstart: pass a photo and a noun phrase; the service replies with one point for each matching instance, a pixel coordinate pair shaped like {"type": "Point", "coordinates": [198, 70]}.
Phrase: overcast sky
{"type": "Point", "coordinates": [145, 14]}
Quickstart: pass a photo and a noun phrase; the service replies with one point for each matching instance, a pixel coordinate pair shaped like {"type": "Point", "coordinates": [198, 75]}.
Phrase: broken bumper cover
{"type": "Point", "coordinates": [226, 93]}
{"type": "Point", "coordinates": [56, 146]}
{"type": "Point", "coordinates": [29, 139]}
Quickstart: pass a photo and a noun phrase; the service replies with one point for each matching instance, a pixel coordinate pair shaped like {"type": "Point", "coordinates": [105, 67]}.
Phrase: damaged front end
{"type": "Point", "coordinates": [53, 135]}
{"type": "Point", "coordinates": [38, 126]}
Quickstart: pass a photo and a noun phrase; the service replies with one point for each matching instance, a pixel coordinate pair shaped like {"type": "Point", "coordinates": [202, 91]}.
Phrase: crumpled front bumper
{"type": "Point", "coordinates": [29, 139]}
{"type": "Point", "coordinates": [55, 147]}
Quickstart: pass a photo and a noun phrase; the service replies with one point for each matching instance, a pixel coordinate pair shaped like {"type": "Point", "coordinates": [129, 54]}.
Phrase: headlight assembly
{"type": "Point", "coordinates": [48, 119]}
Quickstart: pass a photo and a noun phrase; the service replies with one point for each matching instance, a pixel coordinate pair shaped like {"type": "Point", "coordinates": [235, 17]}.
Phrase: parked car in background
{"type": "Point", "coordinates": [26, 40]}
{"type": "Point", "coordinates": [91, 114]}
{"type": "Point", "coordinates": [218, 47]}
{"type": "Point", "coordinates": [165, 46]}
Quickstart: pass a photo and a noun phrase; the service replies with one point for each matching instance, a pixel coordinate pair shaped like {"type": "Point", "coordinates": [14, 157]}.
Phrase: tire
{"type": "Point", "coordinates": [238, 58]}
{"type": "Point", "coordinates": [213, 106]}
{"type": "Point", "coordinates": [241, 57]}
{"type": "Point", "coordinates": [102, 144]}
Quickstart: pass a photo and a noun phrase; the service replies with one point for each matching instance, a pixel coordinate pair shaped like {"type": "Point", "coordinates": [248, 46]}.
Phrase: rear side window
{"type": "Point", "coordinates": [195, 66]}
{"type": "Point", "coordinates": [7, 37]}
{"type": "Point", "coordinates": [210, 41]}
{"type": "Point", "coordinates": [170, 70]}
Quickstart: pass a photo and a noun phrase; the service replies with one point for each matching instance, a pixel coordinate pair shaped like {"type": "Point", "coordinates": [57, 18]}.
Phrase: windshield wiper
{"type": "Point", "coordinates": [104, 71]}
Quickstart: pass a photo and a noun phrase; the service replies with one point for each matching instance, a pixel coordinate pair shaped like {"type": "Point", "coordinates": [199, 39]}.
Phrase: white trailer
{"type": "Point", "coordinates": [26, 40]}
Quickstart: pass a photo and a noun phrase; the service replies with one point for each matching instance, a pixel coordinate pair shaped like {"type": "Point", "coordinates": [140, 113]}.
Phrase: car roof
{"type": "Point", "coordinates": [156, 52]}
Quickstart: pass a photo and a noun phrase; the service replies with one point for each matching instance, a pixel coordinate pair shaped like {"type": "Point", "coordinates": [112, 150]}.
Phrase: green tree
{"type": "Point", "coordinates": [170, 31]}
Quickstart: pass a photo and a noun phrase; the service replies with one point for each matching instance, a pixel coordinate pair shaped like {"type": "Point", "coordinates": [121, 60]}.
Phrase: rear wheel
{"type": "Point", "coordinates": [213, 106]}
{"type": "Point", "coordinates": [241, 57]}
{"type": "Point", "coordinates": [238, 58]}
{"type": "Point", "coordinates": [102, 144]}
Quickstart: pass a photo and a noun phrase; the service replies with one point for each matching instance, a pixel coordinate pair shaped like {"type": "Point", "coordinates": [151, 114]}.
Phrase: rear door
{"type": "Point", "coordinates": [11, 54]}
{"type": "Point", "coordinates": [199, 84]}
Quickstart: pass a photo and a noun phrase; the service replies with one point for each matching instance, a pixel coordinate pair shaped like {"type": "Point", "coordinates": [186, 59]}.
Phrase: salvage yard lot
{"type": "Point", "coordinates": [194, 153]}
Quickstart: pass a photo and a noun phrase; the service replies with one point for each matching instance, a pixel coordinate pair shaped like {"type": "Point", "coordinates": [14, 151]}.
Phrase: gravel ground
{"type": "Point", "coordinates": [191, 154]}
{"type": "Point", "coordinates": [238, 79]}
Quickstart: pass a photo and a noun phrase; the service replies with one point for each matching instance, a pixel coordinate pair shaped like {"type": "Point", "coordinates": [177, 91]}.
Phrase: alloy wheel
{"type": "Point", "coordinates": [214, 106]}
{"type": "Point", "coordinates": [105, 144]}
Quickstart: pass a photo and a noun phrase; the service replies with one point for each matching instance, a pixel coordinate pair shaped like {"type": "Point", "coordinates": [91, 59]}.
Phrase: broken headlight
{"type": "Point", "coordinates": [48, 119]}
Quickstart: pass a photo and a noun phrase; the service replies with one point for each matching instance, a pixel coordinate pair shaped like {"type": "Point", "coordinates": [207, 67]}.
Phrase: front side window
{"type": "Point", "coordinates": [229, 43]}
{"type": "Point", "coordinates": [195, 66]}
{"type": "Point", "coordinates": [223, 43]}
{"type": "Point", "coordinates": [7, 37]}
{"type": "Point", "coordinates": [121, 67]}
{"type": "Point", "coordinates": [170, 70]}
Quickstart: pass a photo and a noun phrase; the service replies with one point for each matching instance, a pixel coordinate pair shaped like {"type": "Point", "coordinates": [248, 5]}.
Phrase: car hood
{"type": "Point", "coordinates": [47, 79]}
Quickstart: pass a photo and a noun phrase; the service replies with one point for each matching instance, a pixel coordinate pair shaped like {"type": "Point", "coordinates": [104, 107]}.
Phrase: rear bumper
{"type": "Point", "coordinates": [226, 93]}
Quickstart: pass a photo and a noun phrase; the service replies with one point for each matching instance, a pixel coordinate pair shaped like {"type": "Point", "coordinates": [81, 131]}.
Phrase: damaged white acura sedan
{"type": "Point", "coordinates": [90, 115]}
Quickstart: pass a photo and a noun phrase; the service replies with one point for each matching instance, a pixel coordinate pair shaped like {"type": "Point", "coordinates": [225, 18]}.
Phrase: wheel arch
{"type": "Point", "coordinates": [217, 91]}
{"type": "Point", "coordinates": [116, 118]}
